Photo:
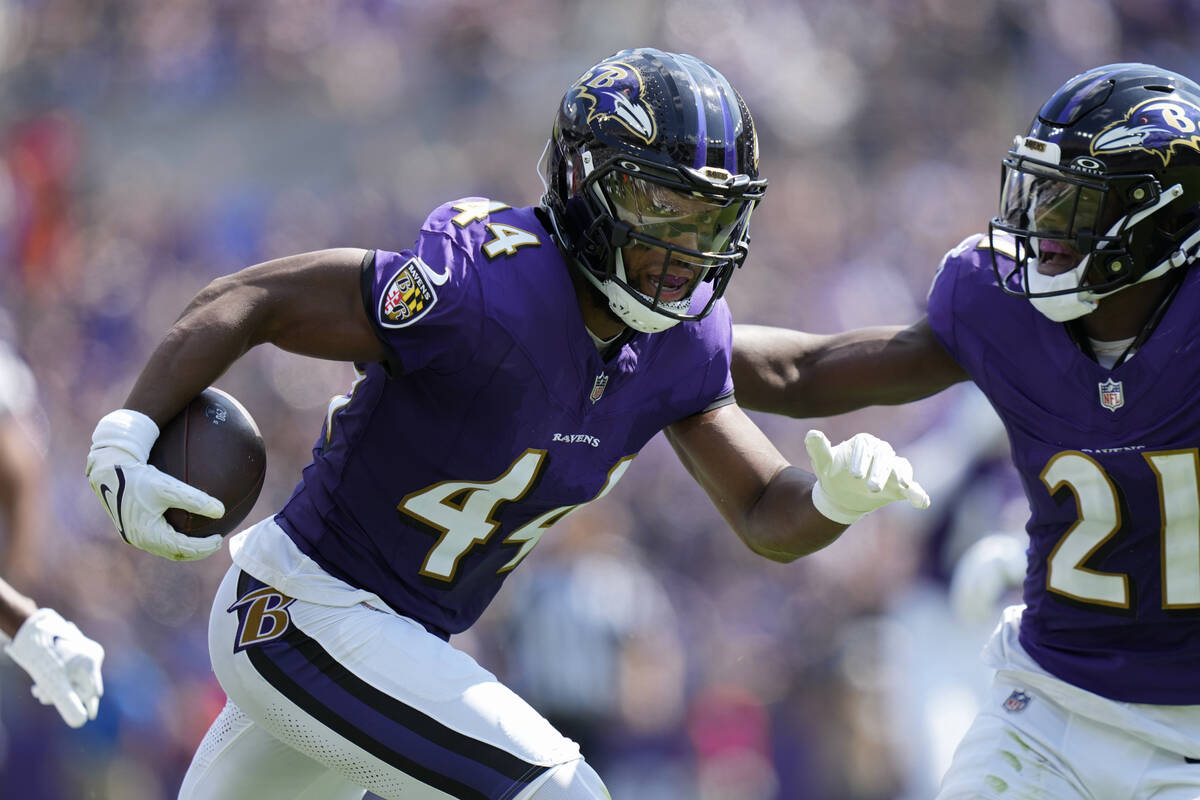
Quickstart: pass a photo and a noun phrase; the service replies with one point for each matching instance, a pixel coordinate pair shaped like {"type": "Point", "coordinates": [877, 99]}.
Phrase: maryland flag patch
{"type": "Point", "coordinates": [407, 297]}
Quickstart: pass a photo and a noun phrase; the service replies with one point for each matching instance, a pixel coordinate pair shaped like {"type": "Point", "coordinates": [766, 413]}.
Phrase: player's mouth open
{"type": "Point", "coordinates": [1055, 257]}
{"type": "Point", "coordinates": [674, 287]}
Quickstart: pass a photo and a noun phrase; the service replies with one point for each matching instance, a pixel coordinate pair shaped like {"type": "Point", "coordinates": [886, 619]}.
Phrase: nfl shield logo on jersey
{"type": "Point", "coordinates": [1112, 394]}
{"type": "Point", "coordinates": [598, 387]}
{"type": "Point", "coordinates": [1016, 701]}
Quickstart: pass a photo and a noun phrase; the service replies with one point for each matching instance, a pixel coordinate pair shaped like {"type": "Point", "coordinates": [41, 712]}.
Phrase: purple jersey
{"type": "Point", "coordinates": [495, 417]}
{"type": "Point", "coordinates": [1109, 462]}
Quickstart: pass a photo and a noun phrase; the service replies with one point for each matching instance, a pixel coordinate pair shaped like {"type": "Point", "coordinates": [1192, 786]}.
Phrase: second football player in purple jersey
{"type": "Point", "coordinates": [1075, 315]}
{"type": "Point", "coordinates": [512, 364]}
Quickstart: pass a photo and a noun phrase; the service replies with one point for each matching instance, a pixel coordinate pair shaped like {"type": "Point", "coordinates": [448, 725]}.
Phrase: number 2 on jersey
{"type": "Point", "coordinates": [1178, 474]}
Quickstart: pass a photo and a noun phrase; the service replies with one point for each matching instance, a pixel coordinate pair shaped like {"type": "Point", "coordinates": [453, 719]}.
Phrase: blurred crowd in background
{"type": "Point", "coordinates": [147, 147]}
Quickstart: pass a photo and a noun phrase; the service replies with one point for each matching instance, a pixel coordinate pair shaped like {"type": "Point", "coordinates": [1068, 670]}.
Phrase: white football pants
{"type": "Point", "coordinates": [326, 702]}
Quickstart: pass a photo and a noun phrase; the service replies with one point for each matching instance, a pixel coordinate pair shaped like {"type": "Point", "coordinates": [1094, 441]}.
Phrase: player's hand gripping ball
{"type": "Point", "coordinates": [176, 491]}
{"type": "Point", "coordinates": [215, 446]}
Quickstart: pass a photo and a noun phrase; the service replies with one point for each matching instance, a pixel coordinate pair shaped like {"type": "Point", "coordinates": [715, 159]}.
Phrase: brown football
{"type": "Point", "coordinates": [214, 445]}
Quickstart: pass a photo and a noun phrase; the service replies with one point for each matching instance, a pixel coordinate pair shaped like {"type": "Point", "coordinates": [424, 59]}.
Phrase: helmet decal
{"type": "Point", "coordinates": [614, 91]}
{"type": "Point", "coordinates": [1088, 165]}
{"type": "Point", "coordinates": [1152, 126]}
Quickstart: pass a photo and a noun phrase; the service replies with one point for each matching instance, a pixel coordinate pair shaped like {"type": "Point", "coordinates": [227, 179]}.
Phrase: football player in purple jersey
{"type": "Point", "coordinates": [511, 365]}
{"type": "Point", "coordinates": [1075, 315]}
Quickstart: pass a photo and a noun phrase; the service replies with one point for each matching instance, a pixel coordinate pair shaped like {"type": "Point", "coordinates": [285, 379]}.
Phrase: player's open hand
{"type": "Point", "coordinates": [136, 495]}
{"type": "Point", "coordinates": [858, 476]}
{"type": "Point", "coordinates": [63, 663]}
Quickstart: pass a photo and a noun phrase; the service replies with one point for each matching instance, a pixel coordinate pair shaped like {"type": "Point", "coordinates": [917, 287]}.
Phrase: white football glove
{"type": "Point", "coordinates": [64, 665]}
{"type": "Point", "coordinates": [136, 495]}
{"type": "Point", "coordinates": [985, 572]}
{"type": "Point", "coordinates": [858, 476]}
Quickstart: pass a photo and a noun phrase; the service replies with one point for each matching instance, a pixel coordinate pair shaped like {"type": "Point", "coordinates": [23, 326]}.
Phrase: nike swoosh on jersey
{"type": "Point", "coordinates": [436, 278]}
{"type": "Point", "coordinates": [104, 492]}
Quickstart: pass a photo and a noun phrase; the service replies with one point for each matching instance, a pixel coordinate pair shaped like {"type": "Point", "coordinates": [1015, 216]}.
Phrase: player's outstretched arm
{"type": "Point", "coordinates": [808, 375]}
{"type": "Point", "coordinates": [309, 304]}
{"type": "Point", "coordinates": [63, 663]}
{"type": "Point", "coordinates": [779, 511]}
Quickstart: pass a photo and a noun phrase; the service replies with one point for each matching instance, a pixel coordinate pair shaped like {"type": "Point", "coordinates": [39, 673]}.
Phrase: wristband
{"type": "Point", "coordinates": [128, 430]}
{"type": "Point", "coordinates": [831, 509]}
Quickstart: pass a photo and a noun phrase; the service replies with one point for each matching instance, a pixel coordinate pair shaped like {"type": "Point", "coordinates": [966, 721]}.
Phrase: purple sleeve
{"type": "Point", "coordinates": [724, 341]}
{"type": "Point", "coordinates": [716, 342]}
{"type": "Point", "coordinates": [426, 303]}
{"type": "Point", "coordinates": [940, 305]}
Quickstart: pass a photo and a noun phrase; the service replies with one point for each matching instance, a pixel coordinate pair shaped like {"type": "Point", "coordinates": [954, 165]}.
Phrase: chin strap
{"type": "Point", "coordinates": [1187, 251]}
{"type": "Point", "coordinates": [622, 300]}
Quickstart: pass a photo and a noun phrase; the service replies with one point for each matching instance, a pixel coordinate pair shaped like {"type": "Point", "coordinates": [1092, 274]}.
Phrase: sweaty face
{"type": "Point", "coordinates": [677, 234]}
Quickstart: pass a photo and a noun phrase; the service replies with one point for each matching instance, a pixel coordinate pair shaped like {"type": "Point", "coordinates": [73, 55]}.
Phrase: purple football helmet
{"type": "Point", "coordinates": [1107, 179]}
{"type": "Point", "coordinates": [650, 149]}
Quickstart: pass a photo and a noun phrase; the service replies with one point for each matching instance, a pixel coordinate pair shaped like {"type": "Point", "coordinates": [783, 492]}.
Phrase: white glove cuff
{"type": "Point", "coordinates": [831, 509]}
{"type": "Point", "coordinates": [27, 633]}
{"type": "Point", "coordinates": [128, 430]}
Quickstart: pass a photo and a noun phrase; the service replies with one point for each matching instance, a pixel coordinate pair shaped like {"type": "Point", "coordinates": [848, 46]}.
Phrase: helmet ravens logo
{"type": "Point", "coordinates": [1153, 126]}
{"type": "Point", "coordinates": [613, 91]}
